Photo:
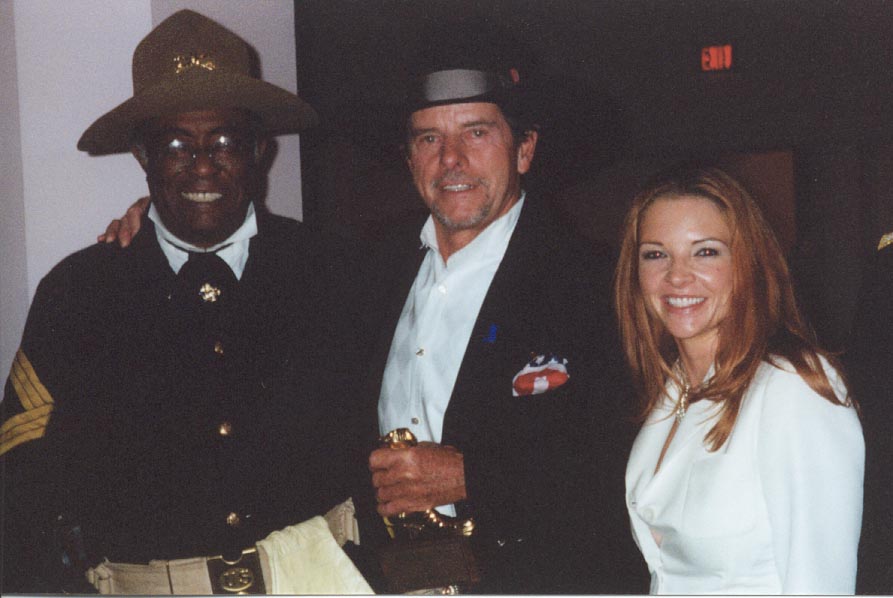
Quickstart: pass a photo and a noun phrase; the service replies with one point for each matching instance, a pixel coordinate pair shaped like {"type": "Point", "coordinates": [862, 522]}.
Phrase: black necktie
{"type": "Point", "coordinates": [205, 279]}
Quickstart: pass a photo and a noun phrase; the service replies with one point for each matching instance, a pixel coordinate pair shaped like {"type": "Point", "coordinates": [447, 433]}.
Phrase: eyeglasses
{"type": "Point", "coordinates": [224, 151]}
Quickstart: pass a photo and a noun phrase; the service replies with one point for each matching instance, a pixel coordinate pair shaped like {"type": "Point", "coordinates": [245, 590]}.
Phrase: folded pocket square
{"type": "Point", "coordinates": [542, 374]}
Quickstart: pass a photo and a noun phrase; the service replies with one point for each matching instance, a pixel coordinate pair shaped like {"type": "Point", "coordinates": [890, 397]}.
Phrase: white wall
{"type": "Point", "coordinates": [13, 270]}
{"type": "Point", "coordinates": [64, 64]}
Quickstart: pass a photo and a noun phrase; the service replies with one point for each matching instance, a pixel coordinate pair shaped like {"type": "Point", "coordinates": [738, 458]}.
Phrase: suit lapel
{"type": "Point", "coordinates": [499, 342]}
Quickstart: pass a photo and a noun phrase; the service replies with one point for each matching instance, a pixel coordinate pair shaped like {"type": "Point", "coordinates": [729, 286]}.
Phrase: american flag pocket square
{"type": "Point", "coordinates": [541, 374]}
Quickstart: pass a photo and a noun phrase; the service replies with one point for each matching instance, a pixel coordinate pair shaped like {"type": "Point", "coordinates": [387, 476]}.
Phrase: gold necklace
{"type": "Point", "coordinates": [682, 403]}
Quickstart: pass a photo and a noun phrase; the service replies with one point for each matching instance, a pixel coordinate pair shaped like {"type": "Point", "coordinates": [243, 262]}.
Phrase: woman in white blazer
{"type": "Point", "coordinates": [746, 477]}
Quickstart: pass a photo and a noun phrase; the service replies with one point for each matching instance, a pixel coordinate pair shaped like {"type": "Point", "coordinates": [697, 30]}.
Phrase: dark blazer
{"type": "Point", "coordinates": [869, 363]}
{"type": "Point", "coordinates": [160, 443]}
{"type": "Point", "coordinates": [544, 473]}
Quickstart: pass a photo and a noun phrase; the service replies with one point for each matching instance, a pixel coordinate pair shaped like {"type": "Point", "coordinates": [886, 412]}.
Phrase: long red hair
{"type": "Point", "coordinates": [764, 321]}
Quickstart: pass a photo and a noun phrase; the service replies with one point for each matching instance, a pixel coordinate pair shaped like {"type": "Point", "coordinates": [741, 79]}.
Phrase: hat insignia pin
{"type": "Point", "coordinates": [191, 61]}
{"type": "Point", "coordinates": [209, 293]}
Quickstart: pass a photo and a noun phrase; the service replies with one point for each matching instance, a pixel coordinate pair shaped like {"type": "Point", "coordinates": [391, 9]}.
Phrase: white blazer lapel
{"type": "Point", "coordinates": [645, 488]}
{"type": "Point", "coordinates": [646, 451]}
{"type": "Point", "coordinates": [688, 441]}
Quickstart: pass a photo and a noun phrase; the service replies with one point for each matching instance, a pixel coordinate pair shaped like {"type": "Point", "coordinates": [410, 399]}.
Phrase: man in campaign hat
{"type": "Point", "coordinates": [498, 353]}
{"type": "Point", "coordinates": [162, 415]}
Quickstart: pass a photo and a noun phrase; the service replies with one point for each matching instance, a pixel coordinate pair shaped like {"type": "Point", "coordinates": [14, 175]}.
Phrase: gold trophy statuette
{"type": "Point", "coordinates": [429, 550]}
{"type": "Point", "coordinates": [427, 524]}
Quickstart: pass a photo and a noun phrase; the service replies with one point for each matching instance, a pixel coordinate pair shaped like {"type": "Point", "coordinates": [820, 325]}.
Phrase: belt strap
{"type": "Point", "coordinates": [204, 575]}
{"type": "Point", "coordinates": [182, 576]}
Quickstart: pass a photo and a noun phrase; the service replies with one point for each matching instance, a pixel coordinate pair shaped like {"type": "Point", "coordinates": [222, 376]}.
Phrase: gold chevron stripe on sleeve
{"type": "Point", "coordinates": [32, 393]}
{"type": "Point", "coordinates": [35, 400]}
{"type": "Point", "coordinates": [885, 240]}
{"type": "Point", "coordinates": [30, 425]}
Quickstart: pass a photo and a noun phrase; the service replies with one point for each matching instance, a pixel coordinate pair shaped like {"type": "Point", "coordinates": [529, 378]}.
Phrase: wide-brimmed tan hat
{"type": "Point", "coordinates": [190, 62]}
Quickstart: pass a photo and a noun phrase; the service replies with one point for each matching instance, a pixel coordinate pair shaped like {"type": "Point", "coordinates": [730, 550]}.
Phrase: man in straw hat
{"type": "Point", "coordinates": [499, 354]}
{"type": "Point", "coordinates": [162, 416]}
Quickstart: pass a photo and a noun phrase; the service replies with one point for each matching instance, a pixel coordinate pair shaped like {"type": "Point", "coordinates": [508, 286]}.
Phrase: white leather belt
{"type": "Point", "coordinates": [184, 576]}
{"type": "Point", "coordinates": [251, 574]}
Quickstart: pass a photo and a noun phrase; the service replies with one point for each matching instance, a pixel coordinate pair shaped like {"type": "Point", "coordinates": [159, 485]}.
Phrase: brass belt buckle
{"type": "Point", "coordinates": [242, 576]}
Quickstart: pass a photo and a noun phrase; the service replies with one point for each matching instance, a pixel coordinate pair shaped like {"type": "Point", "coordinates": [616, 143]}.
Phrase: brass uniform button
{"type": "Point", "coordinates": [218, 348]}
{"type": "Point", "coordinates": [225, 429]}
{"type": "Point", "coordinates": [233, 520]}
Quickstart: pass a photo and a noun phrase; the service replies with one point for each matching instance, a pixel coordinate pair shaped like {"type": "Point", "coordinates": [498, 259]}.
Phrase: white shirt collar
{"type": "Point", "coordinates": [494, 238]}
{"type": "Point", "coordinates": [234, 249]}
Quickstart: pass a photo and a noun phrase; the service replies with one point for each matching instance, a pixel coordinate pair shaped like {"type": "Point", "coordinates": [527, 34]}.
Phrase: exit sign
{"type": "Point", "coordinates": [716, 58]}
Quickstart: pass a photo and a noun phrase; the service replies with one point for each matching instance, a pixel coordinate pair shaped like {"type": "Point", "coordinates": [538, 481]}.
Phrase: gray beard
{"type": "Point", "coordinates": [456, 225]}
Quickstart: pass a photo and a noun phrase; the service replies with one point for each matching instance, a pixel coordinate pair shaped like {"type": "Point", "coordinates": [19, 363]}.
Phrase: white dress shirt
{"type": "Point", "coordinates": [234, 249]}
{"type": "Point", "coordinates": [434, 327]}
{"type": "Point", "coordinates": [776, 510]}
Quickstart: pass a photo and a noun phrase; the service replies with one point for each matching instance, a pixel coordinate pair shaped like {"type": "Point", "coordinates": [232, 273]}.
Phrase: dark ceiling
{"type": "Point", "coordinates": [624, 74]}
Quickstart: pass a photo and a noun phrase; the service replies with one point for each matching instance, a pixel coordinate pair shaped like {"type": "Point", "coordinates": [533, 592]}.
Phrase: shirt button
{"type": "Point", "coordinates": [233, 520]}
{"type": "Point", "coordinates": [420, 352]}
{"type": "Point", "coordinates": [648, 515]}
{"type": "Point", "coordinates": [415, 420]}
{"type": "Point", "coordinates": [225, 429]}
{"type": "Point", "coordinates": [442, 288]}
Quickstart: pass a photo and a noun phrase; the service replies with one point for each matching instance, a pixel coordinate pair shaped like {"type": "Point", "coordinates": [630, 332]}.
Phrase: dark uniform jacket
{"type": "Point", "coordinates": [544, 472]}
{"type": "Point", "coordinates": [870, 367]}
{"type": "Point", "coordinates": [140, 422]}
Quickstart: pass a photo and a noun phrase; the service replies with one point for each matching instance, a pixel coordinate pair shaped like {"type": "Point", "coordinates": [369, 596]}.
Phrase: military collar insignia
{"type": "Point", "coordinates": [209, 293]}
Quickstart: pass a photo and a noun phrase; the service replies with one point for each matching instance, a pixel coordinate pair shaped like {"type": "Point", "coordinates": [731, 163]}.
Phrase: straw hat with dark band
{"type": "Point", "coordinates": [498, 85]}
{"type": "Point", "coordinates": [455, 86]}
{"type": "Point", "coordinates": [190, 62]}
